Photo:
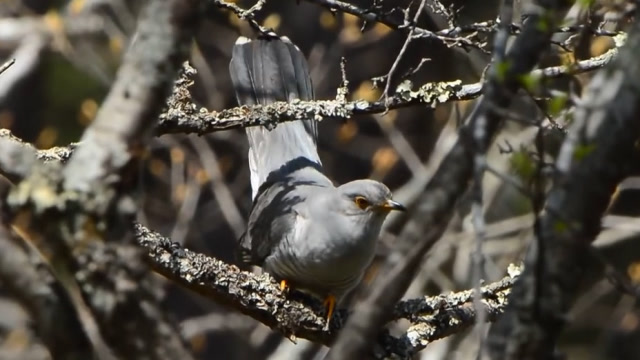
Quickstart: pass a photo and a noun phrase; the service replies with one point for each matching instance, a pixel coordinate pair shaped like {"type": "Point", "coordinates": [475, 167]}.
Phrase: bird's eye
{"type": "Point", "coordinates": [361, 202]}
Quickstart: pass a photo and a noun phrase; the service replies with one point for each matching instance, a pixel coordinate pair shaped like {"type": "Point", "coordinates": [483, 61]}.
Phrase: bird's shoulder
{"type": "Point", "coordinates": [278, 211]}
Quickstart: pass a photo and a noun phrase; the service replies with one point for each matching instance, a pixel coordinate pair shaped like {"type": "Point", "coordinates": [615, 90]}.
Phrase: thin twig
{"type": "Point", "coordinates": [481, 141]}
{"type": "Point", "coordinates": [7, 64]}
{"type": "Point", "coordinates": [385, 94]}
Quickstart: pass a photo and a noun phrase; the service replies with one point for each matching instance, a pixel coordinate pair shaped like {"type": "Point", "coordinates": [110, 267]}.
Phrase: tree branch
{"type": "Point", "coordinates": [79, 215]}
{"type": "Point", "coordinates": [52, 312]}
{"type": "Point", "coordinates": [437, 317]}
{"type": "Point", "coordinates": [395, 20]}
{"type": "Point", "coordinates": [599, 152]}
{"type": "Point", "coordinates": [182, 115]}
{"type": "Point", "coordinates": [88, 183]}
{"type": "Point", "coordinates": [435, 208]}
{"type": "Point", "coordinates": [259, 297]}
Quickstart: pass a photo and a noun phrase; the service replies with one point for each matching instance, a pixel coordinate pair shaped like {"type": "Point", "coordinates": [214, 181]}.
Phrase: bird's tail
{"type": "Point", "coordinates": [264, 71]}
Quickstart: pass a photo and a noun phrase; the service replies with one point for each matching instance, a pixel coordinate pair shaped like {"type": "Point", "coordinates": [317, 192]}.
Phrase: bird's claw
{"type": "Point", "coordinates": [330, 305]}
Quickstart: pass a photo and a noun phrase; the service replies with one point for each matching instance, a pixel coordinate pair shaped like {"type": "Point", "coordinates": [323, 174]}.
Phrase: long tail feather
{"type": "Point", "coordinates": [264, 71]}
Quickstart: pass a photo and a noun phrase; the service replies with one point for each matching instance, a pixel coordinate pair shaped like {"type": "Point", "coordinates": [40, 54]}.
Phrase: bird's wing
{"type": "Point", "coordinates": [275, 213]}
{"type": "Point", "coordinates": [264, 71]}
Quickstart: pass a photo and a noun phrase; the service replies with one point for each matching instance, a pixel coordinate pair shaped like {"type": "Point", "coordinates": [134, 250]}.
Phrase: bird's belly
{"type": "Point", "coordinates": [330, 269]}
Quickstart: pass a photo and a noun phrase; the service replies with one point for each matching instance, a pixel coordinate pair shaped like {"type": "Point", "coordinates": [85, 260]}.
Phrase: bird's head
{"type": "Point", "coordinates": [368, 199]}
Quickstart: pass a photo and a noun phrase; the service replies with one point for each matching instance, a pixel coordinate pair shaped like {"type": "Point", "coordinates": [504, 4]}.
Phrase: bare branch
{"type": "Point", "coordinates": [407, 41]}
{"type": "Point", "coordinates": [436, 205]}
{"type": "Point", "coordinates": [55, 319]}
{"type": "Point", "coordinates": [396, 21]}
{"type": "Point", "coordinates": [247, 15]}
{"type": "Point", "coordinates": [28, 52]}
{"type": "Point", "coordinates": [79, 214]}
{"type": "Point", "coordinates": [600, 147]}
{"type": "Point", "coordinates": [7, 64]}
{"type": "Point", "coordinates": [480, 141]}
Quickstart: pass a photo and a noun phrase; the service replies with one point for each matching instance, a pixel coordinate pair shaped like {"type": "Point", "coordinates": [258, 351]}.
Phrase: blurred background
{"type": "Point", "coordinates": [196, 190]}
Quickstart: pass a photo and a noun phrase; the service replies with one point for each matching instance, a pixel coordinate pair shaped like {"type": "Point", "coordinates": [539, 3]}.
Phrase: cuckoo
{"type": "Point", "coordinates": [306, 232]}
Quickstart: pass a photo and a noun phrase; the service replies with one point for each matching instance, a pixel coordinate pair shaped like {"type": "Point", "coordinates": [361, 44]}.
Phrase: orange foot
{"type": "Point", "coordinates": [330, 304]}
{"type": "Point", "coordinates": [284, 286]}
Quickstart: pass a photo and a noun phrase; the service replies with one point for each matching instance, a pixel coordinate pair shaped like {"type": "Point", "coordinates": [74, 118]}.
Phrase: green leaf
{"type": "Point", "coordinates": [560, 226]}
{"type": "Point", "coordinates": [582, 151]}
{"type": "Point", "coordinates": [530, 82]}
{"type": "Point", "coordinates": [557, 104]}
{"type": "Point", "coordinates": [543, 24]}
{"type": "Point", "coordinates": [502, 68]}
{"type": "Point", "coordinates": [585, 3]}
{"type": "Point", "coordinates": [523, 165]}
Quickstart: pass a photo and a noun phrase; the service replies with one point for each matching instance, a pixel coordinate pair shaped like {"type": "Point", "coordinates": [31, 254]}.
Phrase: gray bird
{"type": "Point", "coordinates": [303, 230]}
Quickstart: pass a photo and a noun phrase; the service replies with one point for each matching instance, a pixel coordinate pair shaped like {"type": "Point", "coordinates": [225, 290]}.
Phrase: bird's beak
{"type": "Point", "coordinates": [393, 205]}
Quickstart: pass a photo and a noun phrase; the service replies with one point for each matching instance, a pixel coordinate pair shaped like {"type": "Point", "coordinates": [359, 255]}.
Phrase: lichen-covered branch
{"type": "Point", "coordinates": [254, 295]}
{"type": "Point", "coordinates": [182, 115]}
{"type": "Point", "coordinates": [437, 317]}
{"type": "Point", "coordinates": [260, 297]}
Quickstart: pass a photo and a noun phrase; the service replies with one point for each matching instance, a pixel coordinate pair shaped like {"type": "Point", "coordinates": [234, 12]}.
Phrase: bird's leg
{"type": "Point", "coordinates": [330, 305]}
{"type": "Point", "coordinates": [284, 286]}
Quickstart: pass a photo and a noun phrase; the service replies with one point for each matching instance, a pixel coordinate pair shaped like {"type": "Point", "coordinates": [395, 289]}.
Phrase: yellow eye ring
{"type": "Point", "coordinates": [361, 202]}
